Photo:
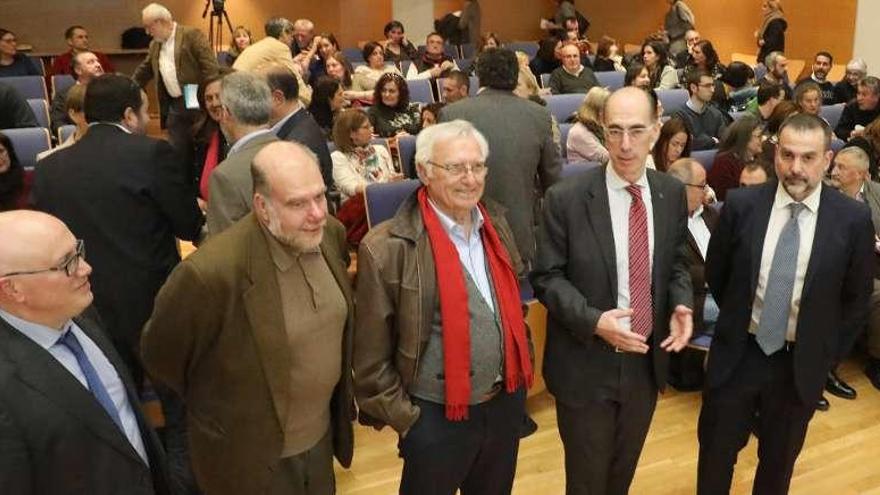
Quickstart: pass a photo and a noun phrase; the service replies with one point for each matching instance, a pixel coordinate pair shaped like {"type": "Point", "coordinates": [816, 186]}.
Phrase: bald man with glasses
{"type": "Point", "coordinates": [69, 414]}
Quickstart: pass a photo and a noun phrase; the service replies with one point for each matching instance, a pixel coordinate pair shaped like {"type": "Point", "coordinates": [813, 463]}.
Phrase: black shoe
{"type": "Point", "coordinates": [835, 386]}
{"type": "Point", "coordinates": [872, 371]}
{"type": "Point", "coordinates": [527, 427]}
{"type": "Point", "coordinates": [823, 404]}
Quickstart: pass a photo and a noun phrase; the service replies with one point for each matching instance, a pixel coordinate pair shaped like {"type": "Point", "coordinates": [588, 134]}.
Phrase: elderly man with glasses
{"type": "Point", "coordinates": [611, 268]}
{"type": "Point", "coordinates": [442, 353]}
{"type": "Point", "coordinates": [69, 412]}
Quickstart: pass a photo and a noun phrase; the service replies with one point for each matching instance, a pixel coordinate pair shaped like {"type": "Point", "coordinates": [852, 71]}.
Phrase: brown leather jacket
{"type": "Point", "coordinates": [396, 299]}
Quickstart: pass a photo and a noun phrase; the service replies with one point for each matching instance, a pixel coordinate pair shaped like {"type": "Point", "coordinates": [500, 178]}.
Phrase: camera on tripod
{"type": "Point", "coordinates": [219, 6]}
{"type": "Point", "coordinates": [218, 13]}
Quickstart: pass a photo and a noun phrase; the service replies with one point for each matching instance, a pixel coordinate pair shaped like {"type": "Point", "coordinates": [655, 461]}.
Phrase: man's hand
{"type": "Point", "coordinates": [681, 326]}
{"type": "Point", "coordinates": [621, 338]}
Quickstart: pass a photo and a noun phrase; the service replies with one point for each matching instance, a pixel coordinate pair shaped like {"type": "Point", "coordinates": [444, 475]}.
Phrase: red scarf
{"type": "Point", "coordinates": [212, 157]}
{"type": "Point", "coordinates": [456, 319]}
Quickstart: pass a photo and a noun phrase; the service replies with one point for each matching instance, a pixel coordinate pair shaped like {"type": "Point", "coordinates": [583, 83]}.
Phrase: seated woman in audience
{"type": "Point", "coordinates": [356, 164]}
{"type": "Point", "coordinates": [740, 145]}
{"type": "Point", "coordinates": [704, 57]}
{"type": "Point", "coordinates": [431, 113]}
{"type": "Point", "coordinates": [327, 101]}
{"type": "Point", "coordinates": [326, 46]}
{"type": "Point", "coordinates": [637, 75]}
{"type": "Point", "coordinates": [608, 56]}
{"type": "Point", "coordinates": [13, 186]}
{"type": "Point", "coordinates": [397, 47]}
{"type": "Point", "coordinates": [673, 143]}
{"type": "Point", "coordinates": [526, 83]}
{"type": "Point", "coordinates": [586, 139]}
{"type": "Point", "coordinates": [487, 41]}
{"type": "Point", "coordinates": [739, 80]}
{"type": "Point", "coordinates": [363, 83]}
{"type": "Point", "coordinates": [73, 102]}
{"type": "Point", "coordinates": [549, 56]}
{"type": "Point", "coordinates": [13, 63]}
{"type": "Point", "coordinates": [654, 56]}
{"type": "Point", "coordinates": [392, 113]}
{"type": "Point", "coordinates": [808, 97]}
{"type": "Point", "coordinates": [869, 141]}
{"type": "Point", "coordinates": [209, 141]}
{"type": "Point", "coordinates": [339, 68]}
{"type": "Point", "coordinates": [241, 39]}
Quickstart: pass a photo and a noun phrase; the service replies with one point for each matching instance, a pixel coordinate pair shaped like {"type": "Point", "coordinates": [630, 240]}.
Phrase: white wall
{"type": "Point", "coordinates": [866, 43]}
{"type": "Point", "coordinates": [417, 17]}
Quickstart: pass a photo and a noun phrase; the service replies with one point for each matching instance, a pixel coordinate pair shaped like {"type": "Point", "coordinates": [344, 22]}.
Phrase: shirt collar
{"type": "Point", "coordinates": [173, 33]}
{"type": "Point", "coordinates": [278, 125]}
{"type": "Point", "coordinates": [245, 139]}
{"type": "Point", "coordinates": [44, 336]}
{"type": "Point", "coordinates": [575, 73]}
{"type": "Point", "coordinates": [698, 213]}
{"type": "Point", "coordinates": [453, 228]}
{"type": "Point", "coordinates": [811, 202]}
{"type": "Point", "coordinates": [616, 182]}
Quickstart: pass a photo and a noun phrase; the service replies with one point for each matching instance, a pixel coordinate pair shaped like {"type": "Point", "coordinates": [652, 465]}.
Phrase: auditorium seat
{"type": "Point", "coordinates": [65, 131]}
{"type": "Point", "coordinates": [61, 82]}
{"type": "Point", "coordinates": [41, 111]}
{"type": "Point", "coordinates": [831, 113]}
{"type": "Point", "coordinates": [530, 48]}
{"type": "Point", "coordinates": [563, 106]}
{"type": "Point", "coordinates": [468, 50]}
{"type": "Point", "coordinates": [383, 200]}
{"type": "Point", "coordinates": [28, 142]}
{"type": "Point", "coordinates": [420, 90]}
{"type": "Point", "coordinates": [30, 87]}
{"type": "Point", "coordinates": [406, 147]}
{"type": "Point", "coordinates": [705, 157]}
{"type": "Point", "coordinates": [572, 169]}
{"type": "Point", "coordinates": [39, 64]}
{"type": "Point", "coordinates": [611, 79]}
{"type": "Point", "coordinates": [545, 80]}
{"type": "Point", "coordinates": [672, 100]}
{"type": "Point", "coordinates": [563, 138]}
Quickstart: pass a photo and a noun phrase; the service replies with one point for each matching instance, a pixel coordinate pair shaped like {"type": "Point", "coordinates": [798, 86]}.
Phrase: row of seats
{"type": "Point", "coordinates": [34, 87]}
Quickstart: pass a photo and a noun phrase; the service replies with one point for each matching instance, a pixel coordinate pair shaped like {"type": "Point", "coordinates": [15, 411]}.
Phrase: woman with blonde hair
{"type": "Point", "coordinates": [241, 39]}
{"type": "Point", "coordinates": [75, 103]}
{"type": "Point", "coordinates": [527, 84]}
{"type": "Point", "coordinates": [586, 140]}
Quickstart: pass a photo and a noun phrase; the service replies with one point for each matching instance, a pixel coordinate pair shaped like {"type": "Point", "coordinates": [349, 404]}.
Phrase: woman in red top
{"type": "Point", "coordinates": [14, 181]}
{"type": "Point", "coordinates": [739, 146]}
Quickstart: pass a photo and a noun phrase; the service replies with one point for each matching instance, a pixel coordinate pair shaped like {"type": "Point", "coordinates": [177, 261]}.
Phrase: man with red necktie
{"type": "Point", "coordinates": [611, 269]}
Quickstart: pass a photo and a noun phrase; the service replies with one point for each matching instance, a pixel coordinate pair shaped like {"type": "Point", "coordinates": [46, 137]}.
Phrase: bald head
{"type": "Point", "coordinates": [631, 97]}
{"type": "Point", "coordinates": [27, 236]}
{"type": "Point", "coordinates": [693, 176]}
{"type": "Point", "coordinates": [289, 194]}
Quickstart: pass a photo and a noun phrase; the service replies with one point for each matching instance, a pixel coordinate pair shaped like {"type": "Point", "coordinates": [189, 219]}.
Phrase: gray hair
{"type": "Point", "coordinates": [276, 26]}
{"type": "Point", "coordinates": [683, 170]}
{"type": "Point", "coordinates": [247, 97]}
{"type": "Point", "coordinates": [871, 83]}
{"type": "Point", "coordinates": [447, 131]}
{"type": "Point", "coordinates": [857, 65]}
{"type": "Point", "coordinates": [859, 156]}
{"type": "Point", "coordinates": [304, 24]}
{"type": "Point", "coordinates": [156, 11]}
{"type": "Point", "coordinates": [771, 58]}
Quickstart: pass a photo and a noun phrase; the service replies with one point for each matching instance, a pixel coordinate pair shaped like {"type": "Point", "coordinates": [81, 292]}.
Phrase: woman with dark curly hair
{"type": "Point", "coordinates": [13, 194]}
{"type": "Point", "coordinates": [392, 113]}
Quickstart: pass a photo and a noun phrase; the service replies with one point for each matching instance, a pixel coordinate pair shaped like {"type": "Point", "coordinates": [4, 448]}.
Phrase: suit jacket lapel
{"type": "Point", "coordinates": [290, 124]}
{"type": "Point", "coordinates": [44, 373]}
{"type": "Point", "coordinates": [178, 41]}
{"type": "Point", "coordinates": [761, 219]}
{"type": "Point", "coordinates": [823, 224]}
{"type": "Point", "coordinates": [599, 214]}
{"type": "Point", "coordinates": [659, 205]}
{"type": "Point", "coordinates": [262, 300]}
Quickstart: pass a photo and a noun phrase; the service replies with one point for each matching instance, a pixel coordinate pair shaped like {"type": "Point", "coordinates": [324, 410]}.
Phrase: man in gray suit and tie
{"type": "Point", "coordinates": [520, 137]}
{"type": "Point", "coordinates": [247, 106]}
{"type": "Point", "coordinates": [611, 268]}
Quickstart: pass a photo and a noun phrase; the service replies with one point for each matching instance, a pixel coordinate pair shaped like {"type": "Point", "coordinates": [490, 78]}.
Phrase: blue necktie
{"type": "Point", "coordinates": [70, 341]}
{"type": "Point", "coordinates": [780, 284]}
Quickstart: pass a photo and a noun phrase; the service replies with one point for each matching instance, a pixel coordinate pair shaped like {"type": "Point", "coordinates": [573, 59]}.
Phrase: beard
{"type": "Point", "coordinates": [298, 241]}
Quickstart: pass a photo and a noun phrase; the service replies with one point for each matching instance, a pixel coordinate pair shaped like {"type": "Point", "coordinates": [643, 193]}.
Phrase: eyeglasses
{"type": "Point", "coordinates": [460, 169]}
{"type": "Point", "coordinates": [69, 266]}
{"type": "Point", "coordinates": [698, 186]}
{"type": "Point", "coordinates": [617, 133]}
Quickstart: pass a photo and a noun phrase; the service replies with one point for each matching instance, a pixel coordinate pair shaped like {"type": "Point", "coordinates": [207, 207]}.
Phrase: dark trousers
{"type": "Point", "coordinates": [307, 473]}
{"type": "Point", "coordinates": [762, 384]}
{"type": "Point", "coordinates": [180, 124]}
{"type": "Point", "coordinates": [176, 442]}
{"type": "Point", "coordinates": [603, 437]}
{"type": "Point", "coordinates": [477, 455]}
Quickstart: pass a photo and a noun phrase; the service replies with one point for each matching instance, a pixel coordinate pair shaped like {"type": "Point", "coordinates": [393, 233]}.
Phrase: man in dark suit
{"type": "Point", "coordinates": [790, 266]}
{"type": "Point", "coordinates": [179, 56]}
{"type": "Point", "coordinates": [255, 330]}
{"type": "Point", "coordinates": [291, 122]}
{"type": "Point", "coordinates": [519, 135]}
{"type": "Point", "coordinates": [612, 272]}
{"type": "Point", "coordinates": [70, 421]}
{"type": "Point", "coordinates": [128, 197]}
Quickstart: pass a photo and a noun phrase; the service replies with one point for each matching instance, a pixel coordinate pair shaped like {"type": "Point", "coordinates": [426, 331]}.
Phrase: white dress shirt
{"type": "Point", "coordinates": [48, 338]}
{"type": "Point", "coordinates": [698, 229]}
{"type": "Point", "coordinates": [779, 215]}
{"type": "Point", "coordinates": [167, 67]}
{"type": "Point", "coordinates": [619, 200]}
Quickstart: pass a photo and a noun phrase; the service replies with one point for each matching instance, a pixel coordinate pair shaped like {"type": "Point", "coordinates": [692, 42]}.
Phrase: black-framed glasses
{"type": "Point", "coordinates": [69, 266]}
{"type": "Point", "coordinates": [459, 169]}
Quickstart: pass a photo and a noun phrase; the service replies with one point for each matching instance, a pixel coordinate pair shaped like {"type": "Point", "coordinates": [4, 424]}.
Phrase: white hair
{"type": "Point", "coordinates": [447, 131]}
{"type": "Point", "coordinates": [857, 64]}
{"type": "Point", "coordinates": [859, 155]}
{"type": "Point", "coordinates": [304, 24]}
{"type": "Point", "coordinates": [156, 11]}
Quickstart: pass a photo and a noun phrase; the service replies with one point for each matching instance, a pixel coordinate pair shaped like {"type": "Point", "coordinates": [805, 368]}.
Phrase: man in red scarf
{"type": "Point", "coordinates": [434, 62]}
{"type": "Point", "coordinates": [442, 352]}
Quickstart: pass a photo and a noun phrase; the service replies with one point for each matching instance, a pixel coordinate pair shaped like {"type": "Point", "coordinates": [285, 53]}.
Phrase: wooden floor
{"type": "Point", "coordinates": [841, 455]}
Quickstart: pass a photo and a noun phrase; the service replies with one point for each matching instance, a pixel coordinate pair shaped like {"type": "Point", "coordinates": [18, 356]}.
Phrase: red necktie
{"type": "Point", "coordinates": [639, 265]}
